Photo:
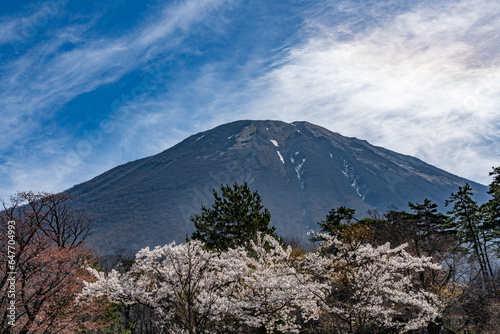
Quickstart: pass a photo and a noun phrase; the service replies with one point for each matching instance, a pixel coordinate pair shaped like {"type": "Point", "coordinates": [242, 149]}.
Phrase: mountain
{"type": "Point", "coordinates": [300, 170]}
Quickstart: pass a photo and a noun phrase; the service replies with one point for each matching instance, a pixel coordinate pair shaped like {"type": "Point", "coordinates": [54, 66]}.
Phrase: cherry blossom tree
{"type": "Point", "coordinates": [41, 261]}
{"type": "Point", "coordinates": [276, 293]}
{"type": "Point", "coordinates": [359, 288]}
{"type": "Point", "coordinates": [194, 290]}
{"type": "Point", "coordinates": [182, 284]}
{"type": "Point", "coordinates": [370, 289]}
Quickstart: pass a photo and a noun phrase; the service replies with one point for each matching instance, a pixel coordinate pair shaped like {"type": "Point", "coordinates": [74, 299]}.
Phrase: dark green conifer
{"type": "Point", "coordinates": [234, 219]}
{"type": "Point", "coordinates": [468, 220]}
{"type": "Point", "coordinates": [337, 219]}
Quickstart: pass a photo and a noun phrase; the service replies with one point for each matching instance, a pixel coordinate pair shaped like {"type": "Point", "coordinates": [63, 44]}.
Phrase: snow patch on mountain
{"type": "Point", "coordinates": [350, 173]}
{"type": "Point", "coordinates": [298, 171]}
{"type": "Point", "coordinates": [281, 157]}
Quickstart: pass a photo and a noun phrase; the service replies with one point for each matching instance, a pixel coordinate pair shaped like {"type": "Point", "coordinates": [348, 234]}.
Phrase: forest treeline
{"type": "Point", "coordinates": [412, 271]}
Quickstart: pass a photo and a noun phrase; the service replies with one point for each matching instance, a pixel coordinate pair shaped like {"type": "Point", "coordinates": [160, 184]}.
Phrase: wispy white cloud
{"type": "Point", "coordinates": [15, 28]}
{"type": "Point", "coordinates": [423, 83]}
{"type": "Point", "coordinates": [36, 84]}
{"type": "Point", "coordinates": [418, 79]}
{"type": "Point", "coordinates": [41, 79]}
{"type": "Point", "coordinates": [7, 31]}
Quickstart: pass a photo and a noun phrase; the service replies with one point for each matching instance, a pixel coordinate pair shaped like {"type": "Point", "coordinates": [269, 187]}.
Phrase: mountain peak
{"type": "Point", "coordinates": [301, 171]}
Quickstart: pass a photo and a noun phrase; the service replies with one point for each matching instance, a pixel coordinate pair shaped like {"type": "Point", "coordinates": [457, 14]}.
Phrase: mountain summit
{"type": "Point", "coordinates": [300, 170]}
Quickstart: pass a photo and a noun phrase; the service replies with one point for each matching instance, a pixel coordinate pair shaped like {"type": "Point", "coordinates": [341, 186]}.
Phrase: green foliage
{"type": "Point", "coordinates": [429, 220]}
{"type": "Point", "coordinates": [491, 209]}
{"type": "Point", "coordinates": [114, 314]}
{"type": "Point", "coordinates": [430, 235]}
{"type": "Point", "coordinates": [339, 223]}
{"type": "Point", "coordinates": [379, 228]}
{"type": "Point", "coordinates": [234, 219]}
{"type": "Point", "coordinates": [337, 219]}
{"type": "Point", "coordinates": [468, 220]}
{"type": "Point", "coordinates": [465, 214]}
{"type": "Point", "coordinates": [423, 228]}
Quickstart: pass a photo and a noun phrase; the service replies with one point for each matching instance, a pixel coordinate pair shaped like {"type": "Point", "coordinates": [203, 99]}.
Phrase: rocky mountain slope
{"type": "Point", "coordinates": [300, 170]}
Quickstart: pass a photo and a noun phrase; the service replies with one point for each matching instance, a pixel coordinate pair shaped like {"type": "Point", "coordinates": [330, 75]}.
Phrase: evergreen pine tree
{"type": "Point", "coordinates": [429, 227]}
{"type": "Point", "coordinates": [492, 207]}
{"type": "Point", "coordinates": [468, 220]}
{"type": "Point", "coordinates": [234, 219]}
{"type": "Point", "coordinates": [336, 220]}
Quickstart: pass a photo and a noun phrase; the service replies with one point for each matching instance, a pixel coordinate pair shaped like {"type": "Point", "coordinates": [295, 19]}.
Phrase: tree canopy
{"type": "Point", "coordinates": [234, 219]}
{"type": "Point", "coordinates": [42, 255]}
{"type": "Point", "coordinates": [362, 289]}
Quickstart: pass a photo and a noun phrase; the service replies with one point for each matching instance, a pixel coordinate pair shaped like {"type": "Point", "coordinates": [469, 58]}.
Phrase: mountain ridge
{"type": "Point", "coordinates": [301, 171]}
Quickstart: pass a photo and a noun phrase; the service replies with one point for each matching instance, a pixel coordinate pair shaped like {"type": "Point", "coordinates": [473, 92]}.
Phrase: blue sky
{"type": "Point", "coordinates": [88, 85]}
